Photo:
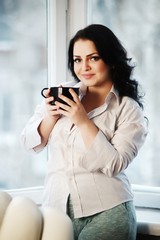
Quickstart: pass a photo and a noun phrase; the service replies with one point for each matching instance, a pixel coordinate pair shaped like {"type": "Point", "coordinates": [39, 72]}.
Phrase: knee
{"type": "Point", "coordinates": [22, 220]}
{"type": "Point", "coordinates": [57, 225]}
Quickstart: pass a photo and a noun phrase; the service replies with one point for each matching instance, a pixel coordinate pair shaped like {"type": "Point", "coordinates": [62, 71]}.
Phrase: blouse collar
{"type": "Point", "coordinates": [113, 92]}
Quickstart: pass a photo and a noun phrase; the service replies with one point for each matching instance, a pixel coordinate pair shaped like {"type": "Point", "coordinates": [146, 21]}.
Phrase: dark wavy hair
{"type": "Point", "coordinates": [113, 54]}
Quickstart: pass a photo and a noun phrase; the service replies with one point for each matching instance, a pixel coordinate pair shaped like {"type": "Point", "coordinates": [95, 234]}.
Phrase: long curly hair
{"type": "Point", "coordinates": [114, 55]}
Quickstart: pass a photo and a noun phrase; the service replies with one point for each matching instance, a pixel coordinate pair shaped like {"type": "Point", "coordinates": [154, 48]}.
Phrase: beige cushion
{"type": "Point", "coordinates": [57, 225]}
{"type": "Point", "coordinates": [5, 199]}
{"type": "Point", "coordinates": [22, 221]}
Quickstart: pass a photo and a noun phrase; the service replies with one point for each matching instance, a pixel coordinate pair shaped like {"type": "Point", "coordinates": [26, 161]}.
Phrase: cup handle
{"type": "Point", "coordinates": [42, 92]}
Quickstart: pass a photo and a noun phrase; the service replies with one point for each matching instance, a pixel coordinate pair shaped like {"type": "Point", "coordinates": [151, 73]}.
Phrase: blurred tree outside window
{"type": "Point", "coordinates": [23, 73]}
{"type": "Point", "coordinates": [137, 24]}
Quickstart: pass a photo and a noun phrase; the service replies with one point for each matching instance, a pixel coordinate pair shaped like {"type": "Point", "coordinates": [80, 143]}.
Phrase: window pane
{"type": "Point", "coordinates": [23, 73]}
{"type": "Point", "coordinates": [136, 23]}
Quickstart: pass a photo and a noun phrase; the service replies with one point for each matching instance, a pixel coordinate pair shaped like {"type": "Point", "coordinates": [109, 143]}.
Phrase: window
{"type": "Point", "coordinates": [136, 24]}
{"type": "Point", "coordinates": [21, 88]}
{"type": "Point", "coordinates": [23, 73]}
{"type": "Point", "coordinates": [33, 46]}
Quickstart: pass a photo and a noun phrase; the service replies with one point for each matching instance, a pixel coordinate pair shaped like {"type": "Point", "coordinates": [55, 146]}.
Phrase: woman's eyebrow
{"type": "Point", "coordinates": [87, 55]}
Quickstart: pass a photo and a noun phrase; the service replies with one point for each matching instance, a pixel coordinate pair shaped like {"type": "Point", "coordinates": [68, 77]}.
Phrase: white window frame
{"type": "Point", "coordinates": [65, 17]}
{"type": "Point", "coordinates": [56, 25]}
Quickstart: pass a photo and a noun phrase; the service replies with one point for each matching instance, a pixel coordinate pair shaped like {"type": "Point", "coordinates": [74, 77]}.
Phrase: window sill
{"type": "Point", "coordinates": [148, 221]}
{"type": "Point", "coordinates": [146, 201]}
{"type": "Point", "coordinates": [34, 193]}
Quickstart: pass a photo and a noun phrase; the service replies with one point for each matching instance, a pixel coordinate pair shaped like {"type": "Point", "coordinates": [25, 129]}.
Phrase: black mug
{"type": "Point", "coordinates": [55, 91]}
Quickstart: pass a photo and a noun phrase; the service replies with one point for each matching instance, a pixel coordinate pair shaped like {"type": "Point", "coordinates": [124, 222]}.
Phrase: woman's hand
{"type": "Point", "coordinates": [76, 112]}
{"type": "Point", "coordinates": [51, 109]}
{"type": "Point", "coordinates": [72, 109]}
{"type": "Point", "coordinates": [48, 121]}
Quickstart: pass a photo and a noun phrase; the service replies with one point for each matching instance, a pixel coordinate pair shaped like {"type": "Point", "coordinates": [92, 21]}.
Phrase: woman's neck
{"type": "Point", "coordinates": [100, 91]}
{"type": "Point", "coordinates": [95, 97]}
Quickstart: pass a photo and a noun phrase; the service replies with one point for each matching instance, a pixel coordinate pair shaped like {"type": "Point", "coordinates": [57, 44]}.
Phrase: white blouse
{"type": "Point", "coordinates": [95, 178]}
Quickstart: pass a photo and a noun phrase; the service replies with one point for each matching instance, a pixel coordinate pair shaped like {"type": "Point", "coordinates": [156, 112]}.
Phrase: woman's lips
{"type": "Point", "coordinates": [87, 76]}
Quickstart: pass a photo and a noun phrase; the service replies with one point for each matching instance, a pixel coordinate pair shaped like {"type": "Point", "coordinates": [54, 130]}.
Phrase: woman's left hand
{"type": "Point", "coordinates": [78, 115]}
{"type": "Point", "coordinates": [74, 110]}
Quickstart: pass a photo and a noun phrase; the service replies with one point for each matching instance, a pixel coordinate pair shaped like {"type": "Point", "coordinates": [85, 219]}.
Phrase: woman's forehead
{"type": "Point", "coordinates": [84, 46]}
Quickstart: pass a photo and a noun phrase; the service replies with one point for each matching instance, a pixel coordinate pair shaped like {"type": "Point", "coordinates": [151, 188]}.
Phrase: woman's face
{"type": "Point", "coordinates": [88, 66]}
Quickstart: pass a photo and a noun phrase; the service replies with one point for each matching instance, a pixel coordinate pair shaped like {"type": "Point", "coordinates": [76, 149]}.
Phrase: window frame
{"type": "Point", "coordinates": [56, 42]}
{"type": "Point", "coordinates": [65, 17]}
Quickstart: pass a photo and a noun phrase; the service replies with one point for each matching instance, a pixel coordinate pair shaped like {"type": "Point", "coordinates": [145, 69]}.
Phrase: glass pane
{"type": "Point", "coordinates": [23, 73]}
{"type": "Point", "coordinates": [136, 23]}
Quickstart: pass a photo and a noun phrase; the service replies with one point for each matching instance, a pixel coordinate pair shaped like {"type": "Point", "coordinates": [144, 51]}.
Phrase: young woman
{"type": "Point", "coordinates": [93, 138]}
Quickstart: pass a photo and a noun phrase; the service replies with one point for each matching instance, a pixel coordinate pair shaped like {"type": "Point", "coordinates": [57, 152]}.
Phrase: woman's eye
{"type": "Point", "coordinates": [77, 60]}
{"type": "Point", "coordinates": [95, 58]}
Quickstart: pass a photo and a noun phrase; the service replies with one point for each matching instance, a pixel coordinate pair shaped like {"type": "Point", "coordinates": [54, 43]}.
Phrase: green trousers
{"type": "Point", "coordinates": [118, 223]}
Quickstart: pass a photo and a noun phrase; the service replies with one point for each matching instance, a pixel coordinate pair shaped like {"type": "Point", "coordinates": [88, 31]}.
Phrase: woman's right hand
{"type": "Point", "coordinates": [51, 109]}
{"type": "Point", "coordinates": [48, 122]}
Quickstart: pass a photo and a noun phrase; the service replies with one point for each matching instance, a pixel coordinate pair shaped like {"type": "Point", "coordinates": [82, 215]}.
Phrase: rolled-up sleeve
{"type": "Point", "coordinates": [114, 155]}
{"type": "Point", "coordinates": [30, 137]}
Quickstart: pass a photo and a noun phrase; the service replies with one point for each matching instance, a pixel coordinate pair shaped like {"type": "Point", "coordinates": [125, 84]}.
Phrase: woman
{"type": "Point", "coordinates": [93, 138]}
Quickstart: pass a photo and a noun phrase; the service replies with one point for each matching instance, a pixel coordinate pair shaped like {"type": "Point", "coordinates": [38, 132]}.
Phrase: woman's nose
{"type": "Point", "coordinates": [85, 65]}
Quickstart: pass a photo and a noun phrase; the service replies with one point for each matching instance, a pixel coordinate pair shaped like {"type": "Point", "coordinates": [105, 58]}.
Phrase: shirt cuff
{"type": "Point", "coordinates": [31, 137]}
